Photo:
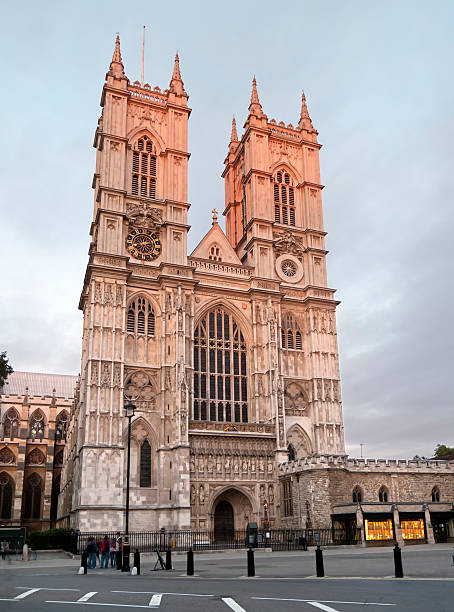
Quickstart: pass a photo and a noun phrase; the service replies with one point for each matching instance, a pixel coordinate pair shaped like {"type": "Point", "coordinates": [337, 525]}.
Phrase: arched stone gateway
{"type": "Point", "coordinates": [232, 511]}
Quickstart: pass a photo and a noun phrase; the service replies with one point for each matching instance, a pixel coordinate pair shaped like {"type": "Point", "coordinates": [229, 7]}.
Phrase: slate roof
{"type": "Point", "coordinates": [40, 385]}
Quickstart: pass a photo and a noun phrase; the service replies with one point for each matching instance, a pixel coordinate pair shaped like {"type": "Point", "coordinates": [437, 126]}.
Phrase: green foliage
{"type": "Point", "coordinates": [441, 450]}
{"type": "Point", "coordinates": [50, 539]}
{"type": "Point", "coordinates": [5, 368]}
{"type": "Point", "coordinates": [419, 458]}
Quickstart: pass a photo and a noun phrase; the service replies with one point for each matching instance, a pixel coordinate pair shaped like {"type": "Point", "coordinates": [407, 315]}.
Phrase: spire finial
{"type": "Point", "coordinates": [255, 108]}
{"type": "Point", "coordinates": [234, 135]}
{"type": "Point", "coordinates": [305, 122]}
{"type": "Point", "coordinates": [176, 83]}
{"type": "Point", "coordinates": [116, 65]}
{"type": "Point", "coordinates": [215, 216]}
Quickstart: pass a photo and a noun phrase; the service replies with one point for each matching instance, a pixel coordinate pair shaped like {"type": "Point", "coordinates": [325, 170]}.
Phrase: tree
{"type": "Point", "coordinates": [441, 450]}
{"type": "Point", "coordinates": [5, 369]}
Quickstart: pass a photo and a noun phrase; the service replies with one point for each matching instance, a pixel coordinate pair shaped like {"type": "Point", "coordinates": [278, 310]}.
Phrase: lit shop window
{"type": "Point", "coordinates": [412, 530]}
{"type": "Point", "coordinates": [379, 530]}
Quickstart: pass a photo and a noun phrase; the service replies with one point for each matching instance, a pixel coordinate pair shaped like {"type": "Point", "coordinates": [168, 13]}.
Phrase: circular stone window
{"type": "Point", "coordinates": [289, 268]}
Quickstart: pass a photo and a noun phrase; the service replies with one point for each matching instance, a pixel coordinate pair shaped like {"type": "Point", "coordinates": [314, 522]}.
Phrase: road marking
{"type": "Point", "coordinates": [231, 603]}
{"type": "Point", "coordinates": [155, 601]}
{"type": "Point", "coordinates": [321, 606]}
{"type": "Point", "coordinates": [48, 589]}
{"type": "Point", "coordinates": [87, 596]}
{"type": "Point", "coordinates": [359, 603]}
{"type": "Point", "coordinates": [151, 593]}
{"type": "Point", "coordinates": [94, 603]}
{"type": "Point", "coordinates": [4, 599]}
{"type": "Point", "coordinates": [26, 594]}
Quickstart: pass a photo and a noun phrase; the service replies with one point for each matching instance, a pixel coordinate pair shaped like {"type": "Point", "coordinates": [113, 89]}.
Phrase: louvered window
{"type": "Point", "coordinates": [144, 169]}
{"type": "Point", "coordinates": [141, 318]}
{"type": "Point", "coordinates": [290, 334]}
{"type": "Point", "coordinates": [220, 369]}
{"type": "Point", "coordinates": [284, 199]}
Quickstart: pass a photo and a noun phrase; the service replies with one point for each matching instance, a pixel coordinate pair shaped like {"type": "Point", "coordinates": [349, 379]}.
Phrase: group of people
{"type": "Point", "coordinates": [103, 550]}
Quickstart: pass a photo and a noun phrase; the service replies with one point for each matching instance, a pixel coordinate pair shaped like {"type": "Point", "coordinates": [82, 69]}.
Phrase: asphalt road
{"type": "Point", "coordinates": [285, 581]}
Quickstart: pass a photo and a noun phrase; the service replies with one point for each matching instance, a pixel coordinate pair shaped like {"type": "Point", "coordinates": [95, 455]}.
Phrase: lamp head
{"type": "Point", "coordinates": [129, 409]}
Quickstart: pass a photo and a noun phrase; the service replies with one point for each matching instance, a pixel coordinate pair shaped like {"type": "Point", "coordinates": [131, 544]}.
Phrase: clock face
{"type": "Point", "coordinates": [143, 244]}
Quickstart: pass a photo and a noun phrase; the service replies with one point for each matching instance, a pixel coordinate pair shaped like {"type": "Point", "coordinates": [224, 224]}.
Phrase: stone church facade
{"type": "Point", "coordinates": [229, 353]}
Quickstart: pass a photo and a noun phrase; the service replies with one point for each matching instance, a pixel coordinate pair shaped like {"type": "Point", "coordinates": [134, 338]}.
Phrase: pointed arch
{"type": "Point", "coordinates": [357, 495]}
{"type": "Point", "coordinates": [288, 167]}
{"type": "Point", "coordinates": [138, 132]}
{"type": "Point", "coordinates": [6, 495]}
{"type": "Point", "coordinates": [33, 497]}
{"type": "Point", "coordinates": [61, 425]}
{"type": "Point", "coordinates": [383, 494]}
{"type": "Point", "coordinates": [300, 441]}
{"type": "Point", "coordinates": [37, 425]}
{"type": "Point", "coordinates": [220, 367]}
{"type": "Point", "coordinates": [435, 494]}
{"type": "Point", "coordinates": [11, 423]}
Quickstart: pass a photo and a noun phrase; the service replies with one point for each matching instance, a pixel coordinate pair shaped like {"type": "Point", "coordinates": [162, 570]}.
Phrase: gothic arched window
{"type": "Point", "coordinates": [141, 318]}
{"type": "Point", "coordinates": [145, 464]}
{"type": "Point", "coordinates": [33, 495]}
{"type": "Point", "coordinates": [220, 369]}
{"type": "Point", "coordinates": [144, 168]}
{"type": "Point", "coordinates": [435, 494]}
{"type": "Point", "coordinates": [290, 334]}
{"type": "Point", "coordinates": [383, 494]}
{"type": "Point", "coordinates": [357, 495]}
{"type": "Point", "coordinates": [37, 425]}
{"type": "Point", "coordinates": [284, 199]}
{"type": "Point", "coordinates": [61, 426]}
{"type": "Point", "coordinates": [6, 496]}
{"type": "Point", "coordinates": [215, 253]}
{"type": "Point", "coordinates": [11, 424]}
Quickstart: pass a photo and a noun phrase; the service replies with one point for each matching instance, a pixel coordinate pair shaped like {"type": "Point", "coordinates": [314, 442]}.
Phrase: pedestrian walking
{"type": "Point", "coordinates": [113, 553]}
{"type": "Point", "coordinates": [91, 550]}
{"type": "Point", "coordinates": [105, 552]}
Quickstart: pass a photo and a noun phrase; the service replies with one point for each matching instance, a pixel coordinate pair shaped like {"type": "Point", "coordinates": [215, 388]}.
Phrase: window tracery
{"type": "Point", "coordinates": [383, 494]}
{"type": "Point", "coordinates": [141, 318]}
{"type": "Point", "coordinates": [6, 496]}
{"type": "Point", "coordinates": [357, 495]}
{"type": "Point", "coordinates": [215, 253]}
{"type": "Point", "coordinates": [7, 456]}
{"type": "Point", "coordinates": [435, 494]}
{"type": "Point", "coordinates": [11, 424]}
{"type": "Point", "coordinates": [284, 199]}
{"type": "Point", "coordinates": [144, 168]}
{"type": "Point", "coordinates": [290, 334]}
{"type": "Point", "coordinates": [220, 369]}
{"type": "Point", "coordinates": [37, 425]}
{"type": "Point", "coordinates": [33, 495]}
{"type": "Point", "coordinates": [61, 426]}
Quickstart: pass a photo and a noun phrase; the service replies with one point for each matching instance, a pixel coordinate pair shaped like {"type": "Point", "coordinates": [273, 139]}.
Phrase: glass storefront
{"type": "Point", "coordinates": [412, 530]}
{"type": "Point", "coordinates": [379, 530]}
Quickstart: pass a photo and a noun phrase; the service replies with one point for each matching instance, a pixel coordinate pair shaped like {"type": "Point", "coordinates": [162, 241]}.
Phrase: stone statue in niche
{"type": "Point", "coordinates": [192, 495]}
{"type": "Point", "coordinates": [201, 494]}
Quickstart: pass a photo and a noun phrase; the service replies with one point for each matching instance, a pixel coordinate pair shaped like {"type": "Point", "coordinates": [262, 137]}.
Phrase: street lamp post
{"type": "Point", "coordinates": [129, 413]}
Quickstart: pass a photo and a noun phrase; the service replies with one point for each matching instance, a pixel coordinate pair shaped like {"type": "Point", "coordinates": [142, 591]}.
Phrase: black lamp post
{"type": "Point", "coordinates": [129, 413]}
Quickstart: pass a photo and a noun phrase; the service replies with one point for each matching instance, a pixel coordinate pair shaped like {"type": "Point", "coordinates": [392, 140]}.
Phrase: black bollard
{"type": "Point", "coordinates": [83, 561]}
{"type": "Point", "coordinates": [190, 563]}
{"type": "Point", "coordinates": [250, 562]}
{"type": "Point", "coordinates": [319, 562]}
{"type": "Point", "coordinates": [137, 561]}
{"type": "Point", "coordinates": [126, 551]}
{"type": "Point", "coordinates": [398, 569]}
{"type": "Point", "coordinates": [119, 559]}
{"type": "Point", "coordinates": [168, 559]}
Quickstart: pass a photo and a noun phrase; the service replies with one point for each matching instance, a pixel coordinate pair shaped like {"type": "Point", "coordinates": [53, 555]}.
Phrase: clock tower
{"type": "Point", "coordinates": [135, 281]}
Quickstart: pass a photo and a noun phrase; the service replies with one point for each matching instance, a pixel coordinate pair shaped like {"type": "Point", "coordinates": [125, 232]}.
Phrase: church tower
{"type": "Point", "coordinates": [136, 322]}
{"type": "Point", "coordinates": [274, 221]}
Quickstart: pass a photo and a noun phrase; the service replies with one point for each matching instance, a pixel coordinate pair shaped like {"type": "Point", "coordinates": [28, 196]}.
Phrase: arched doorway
{"type": "Point", "coordinates": [223, 521]}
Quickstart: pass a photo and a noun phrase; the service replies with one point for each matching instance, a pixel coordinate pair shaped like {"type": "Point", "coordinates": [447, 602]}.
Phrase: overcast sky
{"type": "Point", "coordinates": [380, 91]}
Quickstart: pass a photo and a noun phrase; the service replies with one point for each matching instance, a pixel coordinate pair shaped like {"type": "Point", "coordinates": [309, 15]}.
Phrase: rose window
{"type": "Point", "coordinates": [289, 268]}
